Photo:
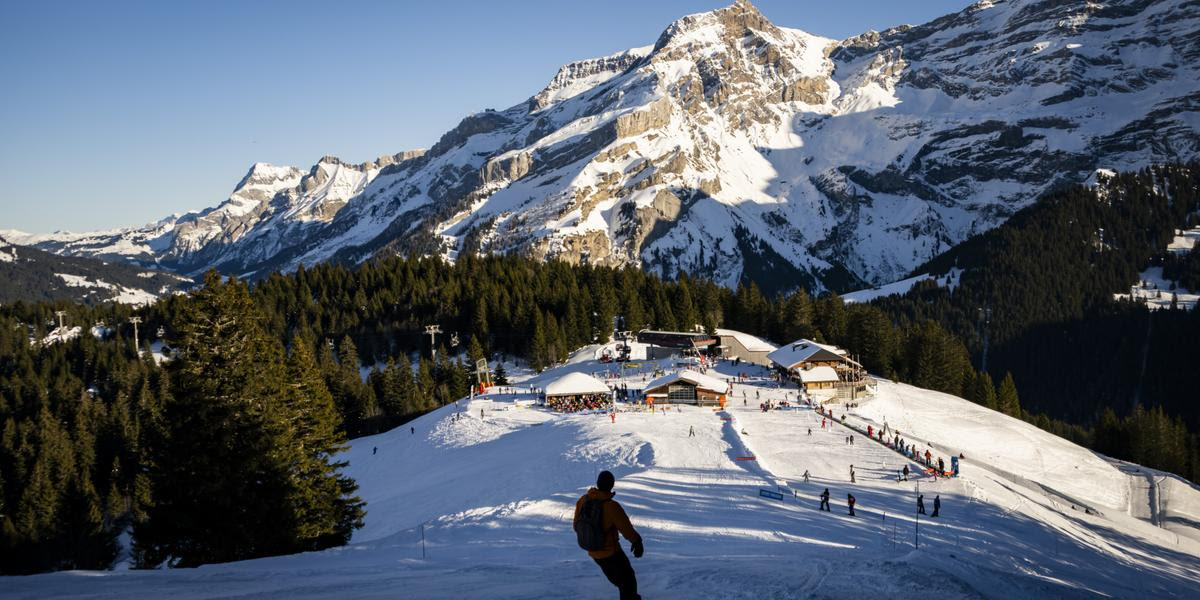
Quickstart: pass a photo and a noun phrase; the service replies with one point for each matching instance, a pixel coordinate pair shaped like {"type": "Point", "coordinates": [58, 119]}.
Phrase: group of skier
{"type": "Point", "coordinates": [850, 500]}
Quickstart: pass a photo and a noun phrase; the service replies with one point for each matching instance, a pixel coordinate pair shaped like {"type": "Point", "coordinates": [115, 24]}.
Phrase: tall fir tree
{"type": "Point", "coordinates": [1006, 397]}
{"type": "Point", "coordinates": [326, 512]}
{"type": "Point", "coordinates": [230, 452]}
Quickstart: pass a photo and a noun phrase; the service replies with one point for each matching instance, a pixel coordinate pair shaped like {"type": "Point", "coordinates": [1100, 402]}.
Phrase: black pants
{"type": "Point", "coordinates": [620, 573]}
{"type": "Point", "coordinates": [824, 505]}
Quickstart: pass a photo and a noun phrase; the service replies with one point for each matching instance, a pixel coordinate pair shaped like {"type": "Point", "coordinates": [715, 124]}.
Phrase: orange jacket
{"type": "Point", "coordinates": [614, 520]}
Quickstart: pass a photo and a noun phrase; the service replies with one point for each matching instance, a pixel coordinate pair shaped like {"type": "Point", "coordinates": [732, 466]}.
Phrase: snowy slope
{"type": "Point", "coordinates": [492, 495]}
{"type": "Point", "coordinates": [737, 149]}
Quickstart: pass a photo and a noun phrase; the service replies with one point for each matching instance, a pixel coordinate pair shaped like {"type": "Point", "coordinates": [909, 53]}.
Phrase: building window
{"type": "Point", "coordinates": [681, 393]}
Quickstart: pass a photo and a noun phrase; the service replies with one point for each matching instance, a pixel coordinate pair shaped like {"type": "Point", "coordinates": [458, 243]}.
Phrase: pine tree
{"type": "Point", "coordinates": [1006, 397]}
{"type": "Point", "coordinates": [392, 397]}
{"type": "Point", "coordinates": [324, 508]}
{"type": "Point", "coordinates": [226, 460]}
{"type": "Point", "coordinates": [984, 391]}
{"type": "Point", "coordinates": [410, 398]}
{"type": "Point", "coordinates": [538, 345]}
{"type": "Point", "coordinates": [425, 386]}
{"type": "Point", "coordinates": [474, 352]}
{"type": "Point", "coordinates": [796, 320]}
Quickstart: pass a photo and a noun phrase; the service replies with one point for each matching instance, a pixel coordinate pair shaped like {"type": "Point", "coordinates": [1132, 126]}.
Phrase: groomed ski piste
{"type": "Point", "coordinates": [480, 506]}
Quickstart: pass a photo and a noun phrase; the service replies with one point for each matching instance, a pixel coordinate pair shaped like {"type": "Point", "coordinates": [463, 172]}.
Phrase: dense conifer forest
{"type": "Point", "coordinates": [1122, 376]}
{"type": "Point", "coordinates": [263, 383]}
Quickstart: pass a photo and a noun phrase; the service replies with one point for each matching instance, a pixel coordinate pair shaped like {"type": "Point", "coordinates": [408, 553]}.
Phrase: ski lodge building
{"type": "Point", "coordinates": [751, 349]}
{"type": "Point", "coordinates": [687, 387]}
{"type": "Point", "coordinates": [821, 367]}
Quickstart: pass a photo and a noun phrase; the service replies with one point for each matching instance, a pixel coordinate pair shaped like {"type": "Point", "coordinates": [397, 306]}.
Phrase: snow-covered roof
{"type": "Point", "coordinates": [752, 343]}
{"type": "Point", "coordinates": [818, 375]}
{"type": "Point", "coordinates": [799, 351]}
{"type": "Point", "coordinates": [576, 383]}
{"type": "Point", "coordinates": [700, 380]}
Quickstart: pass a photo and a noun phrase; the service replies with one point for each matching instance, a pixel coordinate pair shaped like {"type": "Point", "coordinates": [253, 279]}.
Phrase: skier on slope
{"type": "Point", "coordinates": [824, 500]}
{"type": "Point", "coordinates": [850, 503]}
{"type": "Point", "coordinates": [806, 476]}
{"type": "Point", "coordinates": [906, 472]}
{"type": "Point", "coordinates": [598, 519]}
{"type": "Point", "coordinates": [852, 480]}
{"type": "Point", "coordinates": [691, 431]}
{"type": "Point", "coordinates": [937, 505]}
{"type": "Point", "coordinates": [921, 504]}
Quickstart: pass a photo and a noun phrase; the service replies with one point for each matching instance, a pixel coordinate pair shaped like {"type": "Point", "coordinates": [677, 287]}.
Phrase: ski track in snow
{"type": "Point", "coordinates": [493, 496]}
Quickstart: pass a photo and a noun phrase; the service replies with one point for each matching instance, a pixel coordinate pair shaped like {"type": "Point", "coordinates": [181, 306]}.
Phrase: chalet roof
{"type": "Point", "coordinates": [817, 375]}
{"type": "Point", "coordinates": [699, 380]}
{"type": "Point", "coordinates": [752, 343]}
{"type": "Point", "coordinates": [576, 383]}
{"type": "Point", "coordinates": [799, 351]}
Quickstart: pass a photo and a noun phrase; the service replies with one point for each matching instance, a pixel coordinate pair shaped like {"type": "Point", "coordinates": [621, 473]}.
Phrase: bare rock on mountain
{"type": "Point", "coordinates": [737, 149]}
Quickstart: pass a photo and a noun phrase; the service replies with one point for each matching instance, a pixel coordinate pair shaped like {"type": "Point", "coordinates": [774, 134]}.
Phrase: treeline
{"type": "Point", "coordinates": [1048, 276]}
{"type": "Point", "coordinates": [225, 454]}
{"type": "Point", "coordinates": [1061, 257]}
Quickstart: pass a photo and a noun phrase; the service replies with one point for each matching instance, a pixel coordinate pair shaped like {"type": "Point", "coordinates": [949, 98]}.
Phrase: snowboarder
{"type": "Point", "coordinates": [850, 503]}
{"type": "Point", "coordinates": [920, 504]}
{"type": "Point", "coordinates": [598, 519]}
{"type": "Point", "coordinates": [906, 472]}
{"type": "Point", "coordinates": [691, 431]}
{"type": "Point", "coordinates": [937, 505]}
{"type": "Point", "coordinates": [806, 476]}
{"type": "Point", "coordinates": [825, 500]}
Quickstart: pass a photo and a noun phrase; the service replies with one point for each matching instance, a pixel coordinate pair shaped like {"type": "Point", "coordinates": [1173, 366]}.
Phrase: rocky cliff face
{"type": "Point", "coordinates": [737, 149]}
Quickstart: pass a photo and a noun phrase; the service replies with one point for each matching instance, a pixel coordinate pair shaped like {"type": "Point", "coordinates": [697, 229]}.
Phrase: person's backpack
{"type": "Point", "coordinates": [589, 530]}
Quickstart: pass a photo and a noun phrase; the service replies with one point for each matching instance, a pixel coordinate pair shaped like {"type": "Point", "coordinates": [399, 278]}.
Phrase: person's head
{"type": "Point", "coordinates": [605, 481]}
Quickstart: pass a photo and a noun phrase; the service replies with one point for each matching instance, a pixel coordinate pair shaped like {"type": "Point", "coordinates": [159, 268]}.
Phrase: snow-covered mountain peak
{"type": "Point", "coordinates": [740, 150]}
{"type": "Point", "coordinates": [582, 75]}
{"type": "Point", "coordinates": [265, 176]}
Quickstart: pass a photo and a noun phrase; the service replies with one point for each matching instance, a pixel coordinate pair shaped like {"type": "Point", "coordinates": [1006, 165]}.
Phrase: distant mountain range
{"type": "Point", "coordinates": [30, 274]}
{"type": "Point", "coordinates": [739, 150]}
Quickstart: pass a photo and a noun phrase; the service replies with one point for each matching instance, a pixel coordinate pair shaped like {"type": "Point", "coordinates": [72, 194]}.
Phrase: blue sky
{"type": "Point", "coordinates": [120, 113]}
